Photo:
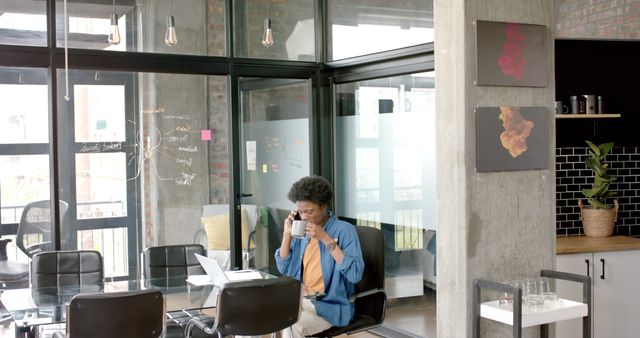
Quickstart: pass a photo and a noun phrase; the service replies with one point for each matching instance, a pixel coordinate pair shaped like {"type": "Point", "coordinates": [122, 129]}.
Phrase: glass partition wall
{"type": "Point", "coordinates": [276, 153]}
{"type": "Point", "coordinates": [164, 134]}
{"type": "Point", "coordinates": [135, 159]}
{"type": "Point", "coordinates": [385, 165]}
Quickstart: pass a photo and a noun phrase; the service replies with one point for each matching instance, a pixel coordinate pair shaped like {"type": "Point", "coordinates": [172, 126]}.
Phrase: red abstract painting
{"type": "Point", "coordinates": [512, 61]}
{"type": "Point", "coordinates": [511, 54]}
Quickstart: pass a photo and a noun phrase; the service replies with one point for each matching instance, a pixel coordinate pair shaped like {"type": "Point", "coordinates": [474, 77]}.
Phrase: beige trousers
{"type": "Point", "coordinates": [308, 323]}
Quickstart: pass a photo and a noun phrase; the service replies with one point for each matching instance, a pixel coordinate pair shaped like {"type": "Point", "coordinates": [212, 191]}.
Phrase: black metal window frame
{"type": "Point", "coordinates": [323, 76]}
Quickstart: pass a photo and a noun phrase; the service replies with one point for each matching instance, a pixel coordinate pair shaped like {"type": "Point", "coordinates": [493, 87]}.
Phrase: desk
{"type": "Point", "coordinates": [30, 308]}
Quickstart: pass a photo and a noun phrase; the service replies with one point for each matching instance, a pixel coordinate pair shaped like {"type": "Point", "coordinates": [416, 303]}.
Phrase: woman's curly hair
{"type": "Point", "coordinates": [315, 189]}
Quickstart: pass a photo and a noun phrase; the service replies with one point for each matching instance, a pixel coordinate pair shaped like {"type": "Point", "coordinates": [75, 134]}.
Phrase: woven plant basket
{"type": "Point", "coordinates": [598, 222]}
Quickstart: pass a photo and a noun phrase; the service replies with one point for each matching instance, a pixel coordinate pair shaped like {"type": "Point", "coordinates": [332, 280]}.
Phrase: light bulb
{"type": "Point", "coordinates": [267, 36]}
{"type": "Point", "coordinates": [170, 38]}
{"type": "Point", "coordinates": [114, 33]}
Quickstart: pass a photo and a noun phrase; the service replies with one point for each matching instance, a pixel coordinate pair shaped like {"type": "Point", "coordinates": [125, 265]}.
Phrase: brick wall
{"type": "Point", "coordinates": [598, 19]}
{"type": "Point", "coordinates": [218, 146]}
{"type": "Point", "coordinates": [572, 175]}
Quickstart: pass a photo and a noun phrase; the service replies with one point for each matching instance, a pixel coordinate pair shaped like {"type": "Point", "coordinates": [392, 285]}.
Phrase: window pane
{"type": "Point", "coordinates": [142, 26]}
{"type": "Point", "coordinates": [23, 179]}
{"type": "Point", "coordinates": [140, 159]}
{"type": "Point", "coordinates": [101, 189]}
{"type": "Point", "coordinates": [360, 27]}
{"type": "Point", "coordinates": [23, 22]}
{"type": "Point", "coordinates": [112, 244]}
{"type": "Point", "coordinates": [385, 158]}
{"type": "Point", "coordinates": [99, 113]}
{"type": "Point", "coordinates": [292, 26]}
{"type": "Point", "coordinates": [24, 114]}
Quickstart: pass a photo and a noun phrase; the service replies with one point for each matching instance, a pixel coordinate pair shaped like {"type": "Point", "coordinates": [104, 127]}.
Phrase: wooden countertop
{"type": "Point", "coordinates": [583, 244]}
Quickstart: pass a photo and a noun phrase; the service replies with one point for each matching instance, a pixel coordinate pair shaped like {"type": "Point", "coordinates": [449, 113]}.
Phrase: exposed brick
{"type": "Point", "coordinates": [567, 192]}
{"type": "Point", "coordinates": [597, 19]}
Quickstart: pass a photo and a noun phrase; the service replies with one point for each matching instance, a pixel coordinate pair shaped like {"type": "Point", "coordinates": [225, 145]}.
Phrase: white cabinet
{"type": "Point", "coordinates": [615, 293]}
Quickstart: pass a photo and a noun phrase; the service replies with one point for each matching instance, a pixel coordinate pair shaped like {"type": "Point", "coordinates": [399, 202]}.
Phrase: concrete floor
{"type": "Point", "coordinates": [415, 316]}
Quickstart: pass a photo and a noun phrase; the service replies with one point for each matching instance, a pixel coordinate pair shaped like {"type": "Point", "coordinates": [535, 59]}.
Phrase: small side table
{"type": "Point", "coordinates": [515, 316]}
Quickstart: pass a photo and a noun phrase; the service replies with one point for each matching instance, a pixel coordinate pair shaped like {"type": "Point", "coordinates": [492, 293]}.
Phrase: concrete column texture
{"type": "Point", "coordinates": [499, 225]}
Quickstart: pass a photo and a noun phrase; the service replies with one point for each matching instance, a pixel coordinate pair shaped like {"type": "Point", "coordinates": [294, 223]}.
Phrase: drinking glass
{"type": "Point", "coordinates": [531, 293]}
{"type": "Point", "coordinates": [545, 290]}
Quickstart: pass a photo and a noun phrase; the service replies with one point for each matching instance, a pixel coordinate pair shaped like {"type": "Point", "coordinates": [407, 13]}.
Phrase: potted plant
{"type": "Point", "coordinates": [599, 217]}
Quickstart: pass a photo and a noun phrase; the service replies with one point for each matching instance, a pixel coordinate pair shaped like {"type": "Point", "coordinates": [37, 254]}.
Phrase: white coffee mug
{"type": "Point", "coordinates": [297, 228]}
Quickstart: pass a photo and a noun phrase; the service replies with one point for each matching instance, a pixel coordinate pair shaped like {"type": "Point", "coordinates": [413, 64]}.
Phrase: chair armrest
{"type": "Point", "coordinates": [364, 294]}
{"type": "Point", "coordinates": [200, 325]}
{"type": "Point", "coordinates": [3, 248]}
{"type": "Point", "coordinates": [58, 334]}
{"type": "Point", "coordinates": [39, 247]}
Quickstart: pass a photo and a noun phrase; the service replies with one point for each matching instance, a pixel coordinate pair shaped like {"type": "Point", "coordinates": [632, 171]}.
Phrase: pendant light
{"type": "Point", "coordinates": [114, 33]}
{"type": "Point", "coordinates": [170, 37]}
{"type": "Point", "coordinates": [267, 35]}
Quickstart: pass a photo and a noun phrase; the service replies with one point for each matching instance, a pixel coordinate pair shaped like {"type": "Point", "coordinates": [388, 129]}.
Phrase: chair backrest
{"type": "Point", "coordinates": [258, 307]}
{"type": "Point", "coordinates": [131, 314]}
{"type": "Point", "coordinates": [66, 268]}
{"type": "Point", "coordinates": [215, 222]}
{"type": "Point", "coordinates": [35, 223]}
{"type": "Point", "coordinates": [372, 244]}
{"type": "Point", "coordinates": [172, 261]}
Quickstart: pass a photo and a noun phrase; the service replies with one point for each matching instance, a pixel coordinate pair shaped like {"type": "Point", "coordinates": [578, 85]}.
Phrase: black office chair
{"type": "Point", "coordinates": [59, 275]}
{"type": "Point", "coordinates": [34, 230]}
{"type": "Point", "coordinates": [172, 261]}
{"type": "Point", "coordinates": [35, 223]}
{"type": "Point", "coordinates": [66, 268]}
{"type": "Point", "coordinates": [161, 262]}
{"type": "Point", "coordinates": [370, 299]}
{"type": "Point", "coordinates": [12, 274]}
{"type": "Point", "coordinates": [130, 314]}
{"type": "Point", "coordinates": [255, 307]}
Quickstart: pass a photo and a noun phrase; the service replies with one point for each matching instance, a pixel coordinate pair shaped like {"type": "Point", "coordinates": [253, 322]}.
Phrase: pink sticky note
{"type": "Point", "coordinates": [205, 134]}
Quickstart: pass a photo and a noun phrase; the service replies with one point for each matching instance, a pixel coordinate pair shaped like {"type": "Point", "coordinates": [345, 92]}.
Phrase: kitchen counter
{"type": "Point", "coordinates": [583, 244]}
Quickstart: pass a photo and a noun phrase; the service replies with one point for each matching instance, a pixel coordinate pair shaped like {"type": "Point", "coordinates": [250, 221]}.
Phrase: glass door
{"type": "Point", "coordinates": [97, 135]}
{"type": "Point", "coordinates": [275, 143]}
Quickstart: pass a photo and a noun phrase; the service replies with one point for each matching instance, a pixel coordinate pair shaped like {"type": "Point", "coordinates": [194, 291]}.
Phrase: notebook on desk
{"type": "Point", "coordinates": [216, 276]}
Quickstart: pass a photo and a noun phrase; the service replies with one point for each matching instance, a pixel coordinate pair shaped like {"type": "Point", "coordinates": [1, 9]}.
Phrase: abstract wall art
{"type": "Point", "coordinates": [511, 138]}
{"type": "Point", "coordinates": [511, 54]}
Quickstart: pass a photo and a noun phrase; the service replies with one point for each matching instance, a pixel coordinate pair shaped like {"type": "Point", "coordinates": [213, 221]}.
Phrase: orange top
{"type": "Point", "coordinates": [312, 273]}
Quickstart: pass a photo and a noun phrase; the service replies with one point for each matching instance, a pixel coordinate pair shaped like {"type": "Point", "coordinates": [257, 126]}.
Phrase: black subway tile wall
{"type": "Point", "coordinates": [572, 175]}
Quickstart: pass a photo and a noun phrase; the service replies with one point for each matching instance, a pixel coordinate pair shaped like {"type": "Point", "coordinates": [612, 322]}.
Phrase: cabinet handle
{"type": "Point", "coordinates": [587, 261]}
{"type": "Point", "coordinates": [602, 261]}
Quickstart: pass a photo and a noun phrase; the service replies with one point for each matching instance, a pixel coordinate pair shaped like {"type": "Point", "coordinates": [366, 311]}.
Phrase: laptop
{"type": "Point", "coordinates": [218, 277]}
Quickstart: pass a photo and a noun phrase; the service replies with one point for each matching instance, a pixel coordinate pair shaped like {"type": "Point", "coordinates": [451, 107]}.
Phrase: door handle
{"type": "Point", "coordinates": [602, 274]}
{"type": "Point", "coordinates": [588, 263]}
{"type": "Point", "coordinates": [242, 194]}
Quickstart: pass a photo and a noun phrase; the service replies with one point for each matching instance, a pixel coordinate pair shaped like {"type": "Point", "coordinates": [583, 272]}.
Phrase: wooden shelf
{"type": "Point", "coordinates": [563, 309]}
{"type": "Point", "coordinates": [584, 244]}
{"type": "Point", "coordinates": [587, 116]}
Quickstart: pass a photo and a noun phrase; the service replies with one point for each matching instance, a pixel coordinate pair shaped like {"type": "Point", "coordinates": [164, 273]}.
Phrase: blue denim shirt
{"type": "Point", "coordinates": [339, 279]}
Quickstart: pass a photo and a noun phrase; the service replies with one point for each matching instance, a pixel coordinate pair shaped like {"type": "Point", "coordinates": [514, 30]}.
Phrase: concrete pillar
{"type": "Point", "coordinates": [497, 226]}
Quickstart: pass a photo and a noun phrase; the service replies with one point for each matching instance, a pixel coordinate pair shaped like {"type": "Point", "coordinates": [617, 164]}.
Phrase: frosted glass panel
{"type": "Point", "coordinates": [281, 158]}
{"type": "Point", "coordinates": [391, 169]}
{"type": "Point", "coordinates": [385, 171]}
